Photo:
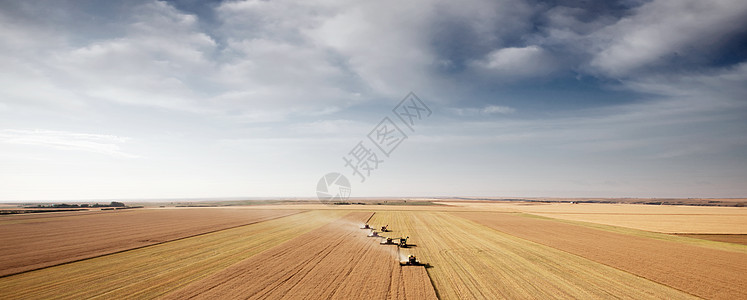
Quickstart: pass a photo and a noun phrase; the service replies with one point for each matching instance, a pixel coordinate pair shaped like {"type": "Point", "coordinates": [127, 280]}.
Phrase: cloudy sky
{"type": "Point", "coordinates": [175, 99]}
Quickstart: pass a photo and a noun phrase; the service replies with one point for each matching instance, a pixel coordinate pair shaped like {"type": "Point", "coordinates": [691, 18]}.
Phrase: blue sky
{"type": "Point", "coordinates": [188, 99]}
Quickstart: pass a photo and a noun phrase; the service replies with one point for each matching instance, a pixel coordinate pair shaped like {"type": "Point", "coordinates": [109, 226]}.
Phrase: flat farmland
{"type": "Point", "coordinates": [682, 266]}
{"type": "Point", "coordinates": [480, 251]}
{"type": "Point", "coordinates": [337, 261]}
{"type": "Point", "coordinates": [35, 241]}
{"type": "Point", "coordinates": [471, 261]}
{"type": "Point", "coordinates": [153, 271]}
{"type": "Point", "coordinates": [726, 238]}
{"type": "Point", "coordinates": [656, 218]}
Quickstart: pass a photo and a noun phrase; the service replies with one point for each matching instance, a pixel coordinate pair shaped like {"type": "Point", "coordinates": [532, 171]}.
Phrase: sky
{"type": "Point", "coordinates": [145, 99]}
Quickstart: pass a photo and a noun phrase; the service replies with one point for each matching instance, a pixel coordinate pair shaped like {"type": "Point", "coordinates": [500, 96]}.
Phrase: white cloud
{"type": "Point", "coordinates": [518, 63]}
{"type": "Point", "coordinates": [381, 43]}
{"type": "Point", "coordinates": [497, 109]}
{"type": "Point", "coordinates": [194, 89]}
{"type": "Point", "coordinates": [665, 29]}
{"type": "Point", "coordinates": [486, 111]}
{"type": "Point", "coordinates": [713, 85]}
{"type": "Point", "coordinates": [163, 58]}
{"type": "Point", "coordinates": [94, 143]}
{"type": "Point", "coordinates": [266, 61]}
{"type": "Point", "coordinates": [338, 128]}
{"type": "Point", "coordinates": [153, 65]}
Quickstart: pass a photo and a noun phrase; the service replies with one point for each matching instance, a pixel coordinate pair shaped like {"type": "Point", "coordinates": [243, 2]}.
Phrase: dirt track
{"type": "Point", "coordinates": [336, 261]}
{"type": "Point", "coordinates": [703, 272]}
{"type": "Point", "coordinates": [33, 242]}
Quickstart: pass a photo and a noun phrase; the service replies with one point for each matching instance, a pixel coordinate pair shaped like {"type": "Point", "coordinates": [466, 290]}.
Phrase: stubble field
{"type": "Point", "coordinates": [473, 251]}
{"type": "Point", "coordinates": [35, 241]}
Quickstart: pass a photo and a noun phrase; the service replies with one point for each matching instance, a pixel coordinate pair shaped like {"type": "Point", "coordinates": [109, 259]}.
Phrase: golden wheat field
{"type": "Point", "coordinates": [464, 249]}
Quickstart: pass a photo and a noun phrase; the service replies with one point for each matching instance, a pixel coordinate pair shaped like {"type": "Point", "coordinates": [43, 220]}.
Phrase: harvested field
{"type": "Point", "coordinates": [153, 271]}
{"type": "Point", "coordinates": [38, 210]}
{"type": "Point", "coordinates": [473, 252]}
{"type": "Point", "coordinates": [20, 218]}
{"type": "Point", "coordinates": [416, 283]}
{"type": "Point", "coordinates": [726, 238]}
{"type": "Point", "coordinates": [666, 223]}
{"type": "Point", "coordinates": [32, 242]}
{"type": "Point", "coordinates": [471, 261]}
{"type": "Point", "coordinates": [336, 261]}
{"type": "Point", "coordinates": [708, 273]}
{"type": "Point", "coordinates": [657, 218]}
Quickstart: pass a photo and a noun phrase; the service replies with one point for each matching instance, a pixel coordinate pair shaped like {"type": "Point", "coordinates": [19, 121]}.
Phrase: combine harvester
{"type": "Point", "coordinates": [401, 242]}
{"type": "Point", "coordinates": [411, 261]}
{"type": "Point", "coordinates": [388, 241]}
{"type": "Point", "coordinates": [373, 232]}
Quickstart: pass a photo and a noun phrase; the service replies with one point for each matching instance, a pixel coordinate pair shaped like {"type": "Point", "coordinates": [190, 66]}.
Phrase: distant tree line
{"type": "Point", "coordinates": [64, 205]}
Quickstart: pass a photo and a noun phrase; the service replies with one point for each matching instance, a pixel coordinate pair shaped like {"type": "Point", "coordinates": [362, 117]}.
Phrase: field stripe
{"type": "Point", "coordinates": [732, 247]}
{"type": "Point", "coordinates": [46, 242]}
{"type": "Point", "coordinates": [152, 271]}
{"type": "Point", "coordinates": [24, 218]}
{"type": "Point", "coordinates": [708, 273]}
{"type": "Point", "coordinates": [471, 261]}
{"type": "Point", "coordinates": [290, 213]}
{"type": "Point", "coordinates": [740, 239]}
{"type": "Point", "coordinates": [336, 261]}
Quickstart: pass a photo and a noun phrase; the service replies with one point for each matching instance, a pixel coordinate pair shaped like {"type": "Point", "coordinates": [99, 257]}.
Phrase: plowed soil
{"type": "Point", "coordinates": [707, 273]}
{"type": "Point", "coordinates": [336, 261]}
{"type": "Point", "coordinates": [34, 242]}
